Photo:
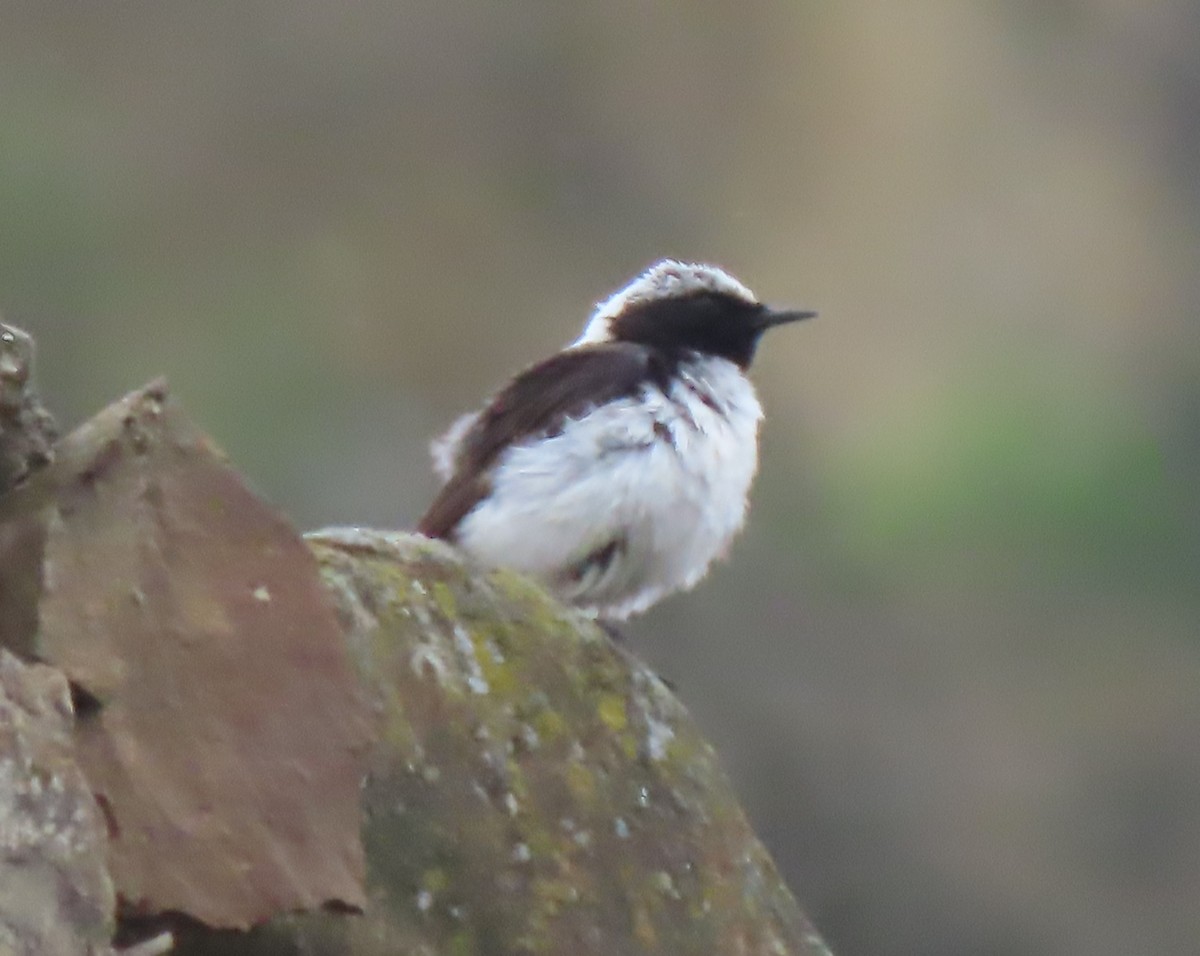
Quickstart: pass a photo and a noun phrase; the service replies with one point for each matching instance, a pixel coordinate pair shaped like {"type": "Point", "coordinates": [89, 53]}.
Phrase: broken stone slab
{"type": "Point", "coordinates": [219, 720]}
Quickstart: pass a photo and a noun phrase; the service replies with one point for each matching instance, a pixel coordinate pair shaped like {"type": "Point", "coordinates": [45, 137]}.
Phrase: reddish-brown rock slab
{"type": "Point", "coordinates": [220, 723]}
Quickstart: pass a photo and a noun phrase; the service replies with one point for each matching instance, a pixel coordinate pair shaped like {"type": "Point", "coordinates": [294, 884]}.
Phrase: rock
{"type": "Point", "coordinates": [27, 430]}
{"type": "Point", "coordinates": [56, 898]}
{"type": "Point", "coordinates": [532, 788]}
{"type": "Point", "coordinates": [362, 745]}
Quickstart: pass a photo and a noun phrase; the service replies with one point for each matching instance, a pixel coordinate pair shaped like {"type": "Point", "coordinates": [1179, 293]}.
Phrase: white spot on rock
{"type": "Point", "coordinates": [466, 648]}
{"type": "Point", "coordinates": [426, 660]}
{"type": "Point", "coordinates": [659, 735]}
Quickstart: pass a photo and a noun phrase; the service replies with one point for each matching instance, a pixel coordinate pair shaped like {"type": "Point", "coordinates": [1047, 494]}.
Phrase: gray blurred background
{"type": "Point", "coordinates": [954, 664]}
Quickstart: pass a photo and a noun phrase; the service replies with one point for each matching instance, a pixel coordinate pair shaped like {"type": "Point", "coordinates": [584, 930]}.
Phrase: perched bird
{"type": "Point", "coordinates": [617, 470]}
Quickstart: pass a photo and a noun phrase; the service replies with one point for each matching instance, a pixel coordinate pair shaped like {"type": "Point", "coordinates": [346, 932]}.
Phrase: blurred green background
{"type": "Point", "coordinates": [954, 663]}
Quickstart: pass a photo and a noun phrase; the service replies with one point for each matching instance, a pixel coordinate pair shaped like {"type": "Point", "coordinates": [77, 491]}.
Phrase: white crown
{"type": "Point", "coordinates": [663, 280]}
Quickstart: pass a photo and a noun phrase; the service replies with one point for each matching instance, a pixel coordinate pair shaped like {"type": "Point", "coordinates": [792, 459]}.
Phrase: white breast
{"type": "Point", "coordinates": [663, 475]}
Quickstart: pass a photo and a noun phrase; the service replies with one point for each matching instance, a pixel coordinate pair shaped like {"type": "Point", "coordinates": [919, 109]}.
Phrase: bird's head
{"type": "Point", "coordinates": [687, 307]}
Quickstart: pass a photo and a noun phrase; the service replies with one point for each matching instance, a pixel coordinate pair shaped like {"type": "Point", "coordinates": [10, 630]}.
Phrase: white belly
{"type": "Point", "coordinates": [665, 477]}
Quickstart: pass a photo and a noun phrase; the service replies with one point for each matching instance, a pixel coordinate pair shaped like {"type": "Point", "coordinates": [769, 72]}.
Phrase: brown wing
{"type": "Point", "coordinates": [537, 402]}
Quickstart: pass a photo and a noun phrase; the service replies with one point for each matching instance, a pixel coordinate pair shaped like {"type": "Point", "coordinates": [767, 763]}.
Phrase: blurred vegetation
{"type": "Point", "coordinates": [952, 664]}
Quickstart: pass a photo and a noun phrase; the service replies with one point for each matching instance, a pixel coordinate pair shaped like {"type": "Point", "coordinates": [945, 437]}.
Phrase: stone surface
{"type": "Point", "coordinates": [220, 722]}
{"type": "Point", "coordinates": [27, 430]}
{"type": "Point", "coordinates": [532, 788]}
{"type": "Point", "coordinates": [56, 898]}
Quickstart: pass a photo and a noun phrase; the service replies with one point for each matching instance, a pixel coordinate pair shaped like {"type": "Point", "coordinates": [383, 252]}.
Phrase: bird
{"type": "Point", "coordinates": [617, 470]}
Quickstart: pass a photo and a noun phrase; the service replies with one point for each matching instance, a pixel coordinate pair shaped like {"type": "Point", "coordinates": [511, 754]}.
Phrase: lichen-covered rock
{"type": "Point", "coordinates": [56, 898]}
{"type": "Point", "coordinates": [531, 789]}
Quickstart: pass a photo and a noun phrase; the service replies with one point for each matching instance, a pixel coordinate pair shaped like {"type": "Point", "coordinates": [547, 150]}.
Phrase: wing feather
{"type": "Point", "coordinates": [536, 403]}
